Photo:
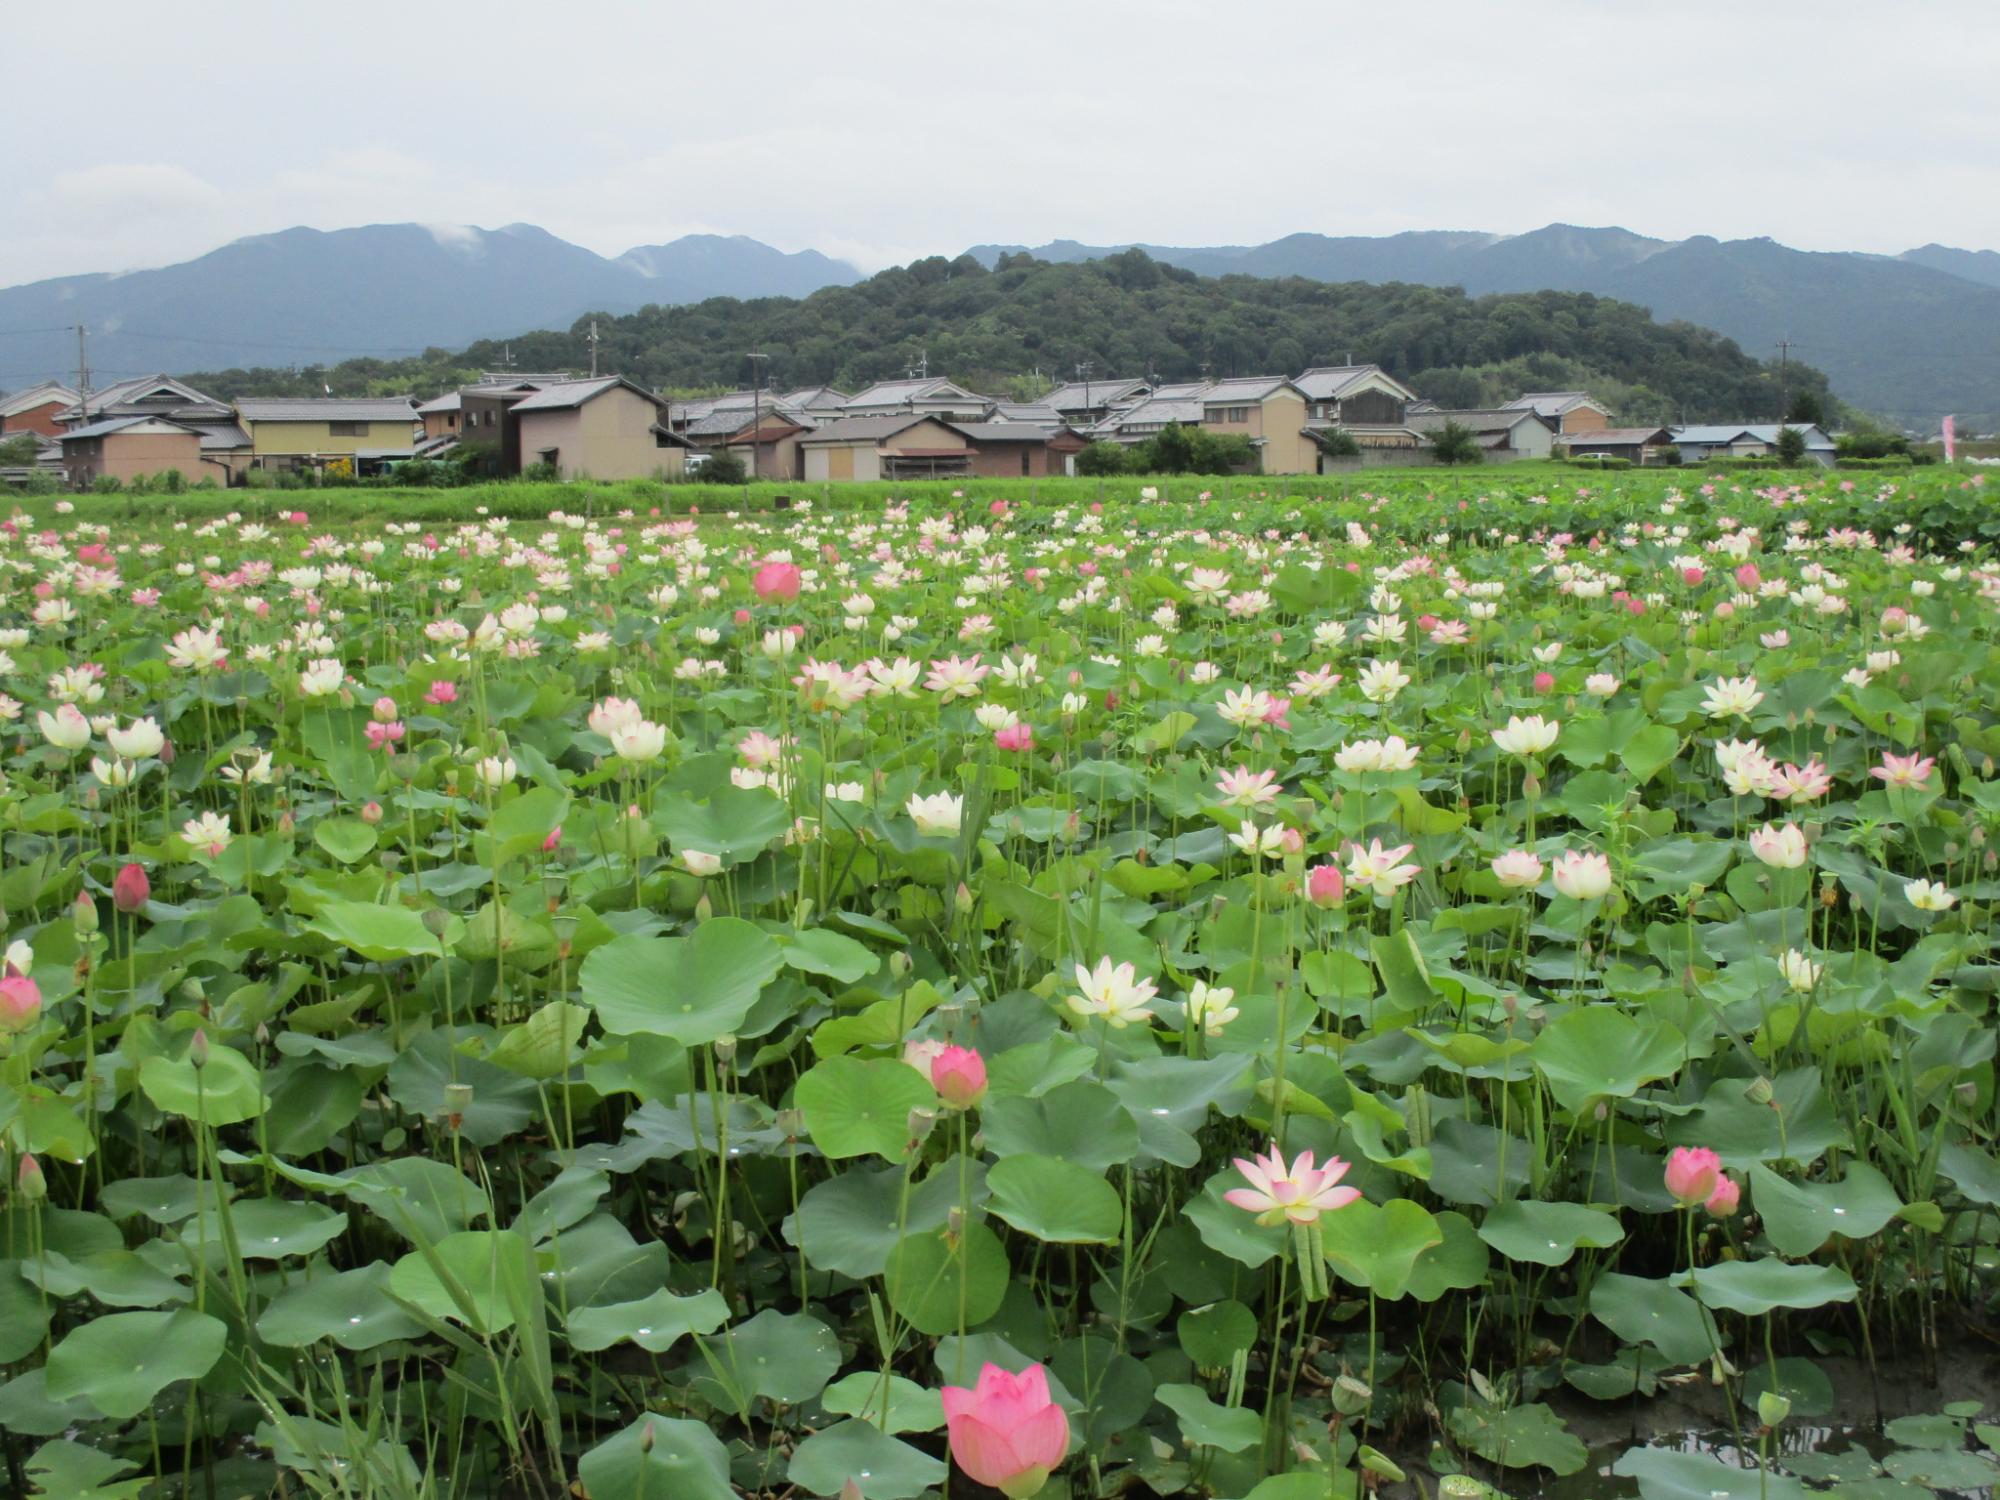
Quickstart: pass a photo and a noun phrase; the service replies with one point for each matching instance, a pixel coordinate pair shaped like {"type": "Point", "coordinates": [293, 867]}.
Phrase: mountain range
{"type": "Point", "coordinates": [1909, 337]}
{"type": "Point", "coordinates": [309, 296]}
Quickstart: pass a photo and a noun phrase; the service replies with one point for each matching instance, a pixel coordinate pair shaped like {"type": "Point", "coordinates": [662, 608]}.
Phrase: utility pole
{"type": "Point", "coordinates": [82, 376]}
{"type": "Point", "coordinates": [593, 348]}
{"type": "Point", "coordinates": [756, 416]}
{"type": "Point", "coordinates": [1083, 368]}
{"type": "Point", "coordinates": [1784, 378]}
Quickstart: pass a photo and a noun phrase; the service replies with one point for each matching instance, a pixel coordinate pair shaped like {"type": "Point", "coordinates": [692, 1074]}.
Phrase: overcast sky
{"type": "Point", "coordinates": [146, 134]}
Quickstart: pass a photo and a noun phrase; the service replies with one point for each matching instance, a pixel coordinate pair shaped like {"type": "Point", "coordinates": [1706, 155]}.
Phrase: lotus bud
{"type": "Point", "coordinates": [84, 914]}
{"type": "Point", "coordinates": [1773, 1408]}
{"type": "Point", "coordinates": [33, 1185]}
{"type": "Point", "coordinates": [194, 991]}
{"type": "Point", "coordinates": [725, 1049]}
{"type": "Point", "coordinates": [704, 908]}
{"type": "Point", "coordinates": [646, 1438]}
{"type": "Point", "coordinates": [437, 921]}
{"type": "Point", "coordinates": [197, 1053]}
{"type": "Point", "coordinates": [919, 1123]}
{"type": "Point", "coordinates": [1760, 1091]}
{"type": "Point", "coordinates": [962, 899]}
{"type": "Point", "coordinates": [1967, 1092]}
{"type": "Point", "coordinates": [371, 813]}
{"type": "Point", "coordinates": [130, 889]}
{"type": "Point", "coordinates": [900, 965]}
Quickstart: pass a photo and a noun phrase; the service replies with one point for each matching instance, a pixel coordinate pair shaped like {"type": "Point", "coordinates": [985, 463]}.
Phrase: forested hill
{"type": "Point", "coordinates": [1128, 315]}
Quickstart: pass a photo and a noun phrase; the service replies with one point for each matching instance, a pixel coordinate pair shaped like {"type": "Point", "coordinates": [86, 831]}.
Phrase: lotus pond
{"type": "Point", "coordinates": [1273, 998]}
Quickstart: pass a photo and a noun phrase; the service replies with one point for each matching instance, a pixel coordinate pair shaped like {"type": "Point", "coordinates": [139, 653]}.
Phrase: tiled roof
{"type": "Point", "coordinates": [1331, 382]}
{"type": "Point", "coordinates": [1086, 395]}
{"type": "Point", "coordinates": [1245, 388]}
{"type": "Point", "coordinates": [328, 409]}
{"type": "Point", "coordinates": [570, 394]}
{"type": "Point", "coordinates": [449, 401]}
{"type": "Point", "coordinates": [1494, 419]}
{"type": "Point", "coordinates": [1002, 432]}
{"type": "Point", "coordinates": [115, 424]}
{"type": "Point", "coordinates": [1553, 403]}
{"type": "Point", "coordinates": [866, 429]}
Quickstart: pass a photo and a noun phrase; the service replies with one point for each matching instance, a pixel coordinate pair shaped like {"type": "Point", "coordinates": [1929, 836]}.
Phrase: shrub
{"type": "Point", "coordinates": [106, 484]}
{"type": "Point", "coordinates": [1101, 460]}
{"type": "Point", "coordinates": [1455, 443]}
{"type": "Point", "coordinates": [724, 467]}
{"type": "Point", "coordinates": [1791, 446]}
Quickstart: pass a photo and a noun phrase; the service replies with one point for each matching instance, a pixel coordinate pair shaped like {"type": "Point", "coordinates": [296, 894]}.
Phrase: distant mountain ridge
{"type": "Point", "coordinates": [1911, 336]}
{"type": "Point", "coordinates": [310, 296]}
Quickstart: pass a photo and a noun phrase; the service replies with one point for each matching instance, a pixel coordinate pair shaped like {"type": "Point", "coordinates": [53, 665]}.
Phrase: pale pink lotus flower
{"type": "Point", "coordinates": [1581, 876]}
{"type": "Point", "coordinates": [1518, 869]}
{"type": "Point", "coordinates": [1692, 1173]}
{"type": "Point", "coordinates": [1326, 887]}
{"type": "Point", "coordinates": [1781, 846]}
{"type": "Point", "coordinates": [1806, 783]}
{"type": "Point", "coordinates": [1299, 1193]}
{"type": "Point", "coordinates": [1113, 991]}
{"type": "Point", "coordinates": [1379, 870]}
{"type": "Point", "coordinates": [951, 677]}
{"type": "Point", "coordinates": [1904, 770]}
{"type": "Point", "coordinates": [1243, 787]}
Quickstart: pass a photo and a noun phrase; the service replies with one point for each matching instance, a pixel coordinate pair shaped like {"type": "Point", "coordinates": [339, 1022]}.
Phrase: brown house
{"type": "Point", "coordinates": [35, 410]}
{"type": "Point", "coordinates": [128, 448]}
{"type": "Point", "coordinates": [1271, 412]}
{"type": "Point", "coordinates": [912, 446]}
{"type": "Point", "coordinates": [1641, 445]}
{"type": "Point", "coordinates": [608, 428]}
{"type": "Point", "coordinates": [1566, 411]}
{"type": "Point", "coordinates": [1018, 450]}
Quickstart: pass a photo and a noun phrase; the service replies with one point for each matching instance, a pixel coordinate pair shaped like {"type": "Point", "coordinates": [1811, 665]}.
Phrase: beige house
{"type": "Point", "coordinates": [1271, 412]}
{"type": "Point", "coordinates": [1504, 435]}
{"type": "Point", "coordinates": [911, 446]}
{"type": "Point", "coordinates": [129, 448]}
{"type": "Point", "coordinates": [360, 434]}
{"type": "Point", "coordinates": [607, 428]}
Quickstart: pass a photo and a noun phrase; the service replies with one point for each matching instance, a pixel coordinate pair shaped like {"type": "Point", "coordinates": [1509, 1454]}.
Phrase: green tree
{"type": "Point", "coordinates": [1791, 446]}
{"type": "Point", "coordinates": [1455, 443]}
{"type": "Point", "coordinates": [1172, 451]}
{"type": "Point", "coordinates": [724, 466]}
{"type": "Point", "coordinates": [1807, 409]}
{"type": "Point", "coordinates": [1100, 460]}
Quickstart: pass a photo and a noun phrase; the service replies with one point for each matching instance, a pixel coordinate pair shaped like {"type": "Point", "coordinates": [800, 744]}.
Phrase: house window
{"type": "Point", "coordinates": [347, 429]}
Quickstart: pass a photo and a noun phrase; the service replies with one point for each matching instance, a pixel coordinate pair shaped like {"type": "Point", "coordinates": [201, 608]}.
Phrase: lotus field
{"type": "Point", "coordinates": [1283, 997]}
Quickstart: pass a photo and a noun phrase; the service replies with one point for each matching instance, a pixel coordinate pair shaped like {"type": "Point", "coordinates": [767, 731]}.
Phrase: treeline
{"type": "Point", "coordinates": [1128, 315]}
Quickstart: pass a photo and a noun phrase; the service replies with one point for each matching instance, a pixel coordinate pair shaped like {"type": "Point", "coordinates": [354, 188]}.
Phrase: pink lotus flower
{"type": "Point", "coordinates": [442, 693]}
{"type": "Point", "coordinates": [1005, 1431]}
{"type": "Point", "coordinates": [1544, 681]}
{"type": "Point", "coordinates": [384, 737]}
{"type": "Point", "coordinates": [20, 1002]}
{"type": "Point", "coordinates": [1722, 1202]}
{"type": "Point", "coordinates": [130, 889]}
{"type": "Point", "coordinates": [384, 710]}
{"type": "Point", "coordinates": [959, 1076]}
{"type": "Point", "coordinates": [1326, 887]}
{"type": "Point", "coordinates": [1300, 1193]}
{"type": "Point", "coordinates": [1749, 579]}
{"type": "Point", "coordinates": [1904, 770]}
{"type": "Point", "coordinates": [776, 581]}
{"type": "Point", "coordinates": [1017, 737]}
{"type": "Point", "coordinates": [1692, 1174]}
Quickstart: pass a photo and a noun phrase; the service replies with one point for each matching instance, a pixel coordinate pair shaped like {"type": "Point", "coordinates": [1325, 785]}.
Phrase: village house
{"type": "Point", "coordinates": [1568, 411]}
{"type": "Point", "coordinates": [1698, 444]}
{"type": "Point", "coordinates": [607, 428]}
{"type": "Point", "coordinates": [1270, 411]}
{"type": "Point", "coordinates": [932, 396]}
{"type": "Point", "coordinates": [224, 445]}
{"type": "Point", "coordinates": [441, 417]}
{"type": "Point", "coordinates": [352, 434]}
{"type": "Point", "coordinates": [1019, 450]}
{"type": "Point", "coordinates": [36, 409]}
{"type": "Point", "coordinates": [1636, 445]}
{"type": "Point", "coordinates": [906, 446]}
{"type": "Point", "coordinates": [129, 448]}
{"type": "Point", "coordinates": [1355, 396]}
{"type": "Point", "coordinates": [1167, 404]}
{"type": "Point", "coordinates": [766, 437]}
{"type": "Point", "coordinates": [1504, 435]}
{"type": "Point", "coordinates": [1085, 403]}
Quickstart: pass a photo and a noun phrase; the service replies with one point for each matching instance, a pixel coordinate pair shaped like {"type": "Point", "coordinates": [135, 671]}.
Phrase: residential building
{"type": "Point", "coordinates": [358, 434]}
{"type": "Point", "coordinates": [1039, 413]}
{"type": "Point", "coordinates": [907, 446]}
{"type": "Point", "coordinates": [1168, 404]}
{"type": "Point", "coordinates": [36, 409]}
{"type": "Point", "coordinates": [1570, 411]}
{"type": "Point", "coordinates": [1504, 435]}
{"type": "Point", "coordinates": [765, 437]}
{"type": "Point", "coordinates": [607, 428]}
{"type": "Point", "coordinates": [441, 416]}
{"type": "Point", "coordinates": [1270, 411]}
{"type": "Point", "coordinates": [1700, 443]}
{"type": "Point", "coordinates": [147, 396]}
{"type": "Point", "coordinates": [1355, 395]}
{"type": "Point", "coordinates": [1638, 445]}
{"type": "Point", "coordinates": [1085, 403]}
{"type": "Point", "coordinates": [1019, 450]}
{"type": "Point", "coordinates": [932, 396]}
{"type": "Point", "coordinates": [129, 448]}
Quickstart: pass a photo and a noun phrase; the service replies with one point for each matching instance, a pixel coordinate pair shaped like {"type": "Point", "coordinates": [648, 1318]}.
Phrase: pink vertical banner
{"type": "Point", "coordinates": [1950, 438]}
